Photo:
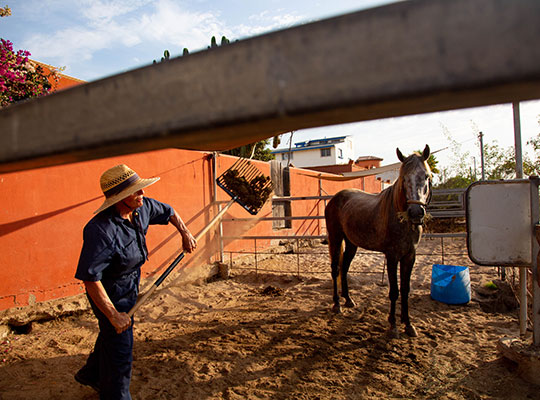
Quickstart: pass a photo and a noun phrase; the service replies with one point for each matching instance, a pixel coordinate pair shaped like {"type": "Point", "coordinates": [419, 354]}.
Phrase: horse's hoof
{"type": "Point", "coordinates": [336, 309]}
{"type": "Point", "coordinates": [393, 332]}
{"type": "Point", "coordinates": [411, 331]}
{"type": "Point", "coordinates": [349, 303]}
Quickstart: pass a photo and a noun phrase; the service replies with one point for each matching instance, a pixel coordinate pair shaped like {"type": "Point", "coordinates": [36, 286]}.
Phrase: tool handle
{"type": "Point", "coordinates": [154, 286]}
{"type": "Point", "coordinates": [179, 258]}
{"type": "Point", "coordinates": [216, 219]}
{"type": "Point", "coordinates": [141, 300]}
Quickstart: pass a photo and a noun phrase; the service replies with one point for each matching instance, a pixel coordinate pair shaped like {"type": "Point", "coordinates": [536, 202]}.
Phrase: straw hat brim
{"type": "Point", "coordinates": [135, 187]}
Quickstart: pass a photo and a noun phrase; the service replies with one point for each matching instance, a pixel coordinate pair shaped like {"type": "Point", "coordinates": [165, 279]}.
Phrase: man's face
{"type": "Point", "coordinates": [135, 200]}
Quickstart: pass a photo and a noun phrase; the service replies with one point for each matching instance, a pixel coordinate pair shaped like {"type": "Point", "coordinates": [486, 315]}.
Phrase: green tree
{"type": "Point", "coordinates": [455, 182]}
{"type": "Point", "coordinates": [499, 163]}
{"type": "Point", "coordinates": [258, 151]}
{"type": "Point", "coordinates": [532, 166]}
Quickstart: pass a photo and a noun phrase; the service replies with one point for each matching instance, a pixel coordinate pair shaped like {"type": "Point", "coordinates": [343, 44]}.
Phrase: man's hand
{"type": "Point", "coordinates": [121, 322]}
{"type": "Point", "coordinates": [188, 242]}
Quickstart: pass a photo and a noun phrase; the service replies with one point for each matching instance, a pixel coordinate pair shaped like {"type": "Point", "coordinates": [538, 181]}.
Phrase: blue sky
{"type": "Point", "coordinates": [97, 38]}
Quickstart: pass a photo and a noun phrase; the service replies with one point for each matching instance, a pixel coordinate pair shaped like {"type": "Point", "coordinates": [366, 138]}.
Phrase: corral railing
{"type": "Point", "coordinates": [442, 256]}
{"type": "Point", "coordinates": [297, 239]}
{"type": "Point", "coordinates": [447, 203]}
{"type": "Point", "coordinates": [444, 203]}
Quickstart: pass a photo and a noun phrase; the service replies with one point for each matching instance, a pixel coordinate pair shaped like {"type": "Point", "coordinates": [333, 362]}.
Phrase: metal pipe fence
{"type": "Point", "coordinates": [299, 252]}
{"type": "Point", "coordinates": [256, 254]}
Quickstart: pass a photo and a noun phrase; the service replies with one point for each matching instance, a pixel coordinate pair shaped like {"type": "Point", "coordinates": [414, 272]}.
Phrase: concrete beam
{"type": "Point", "coordinates": [406, 58]}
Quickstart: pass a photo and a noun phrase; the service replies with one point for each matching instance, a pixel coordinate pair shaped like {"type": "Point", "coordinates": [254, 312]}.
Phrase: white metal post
{"type": "Point", "coordinates": [519, 174]}
{"type": "Point", "coordinates": [517, 141]}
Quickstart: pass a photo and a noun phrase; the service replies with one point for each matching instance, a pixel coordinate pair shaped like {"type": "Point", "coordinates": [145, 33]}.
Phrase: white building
{"type": "Point", "coordinates": [318, 152]}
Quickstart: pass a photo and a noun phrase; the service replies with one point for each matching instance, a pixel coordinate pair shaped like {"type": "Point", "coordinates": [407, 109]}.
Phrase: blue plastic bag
{"type": "Point", "coordinates": [450, 284]}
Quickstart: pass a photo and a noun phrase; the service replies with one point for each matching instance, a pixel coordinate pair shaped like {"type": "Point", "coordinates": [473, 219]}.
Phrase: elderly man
{"type": "Point", "coordinates": [114, 249]}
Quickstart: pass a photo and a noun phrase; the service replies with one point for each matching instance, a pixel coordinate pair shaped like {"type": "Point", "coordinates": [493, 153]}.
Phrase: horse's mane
{"type": "Point", "coordinates": [394, 197]}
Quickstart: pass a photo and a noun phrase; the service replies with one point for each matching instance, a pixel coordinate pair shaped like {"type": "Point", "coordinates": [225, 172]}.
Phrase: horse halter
{"type": "Point", "coordinates": [419, 202]}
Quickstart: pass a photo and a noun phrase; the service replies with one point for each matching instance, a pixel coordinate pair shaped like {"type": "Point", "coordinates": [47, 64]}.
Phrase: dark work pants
{"type": "Point", "coordinates": [109, 364]}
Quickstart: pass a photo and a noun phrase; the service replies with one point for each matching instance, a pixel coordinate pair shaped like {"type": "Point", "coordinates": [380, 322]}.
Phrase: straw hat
{"type": "Point", "coordinates": [119, 182]}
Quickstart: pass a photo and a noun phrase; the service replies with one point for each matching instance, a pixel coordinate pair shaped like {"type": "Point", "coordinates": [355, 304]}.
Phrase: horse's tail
{"type": "Point", "coordinates": [340, 263]}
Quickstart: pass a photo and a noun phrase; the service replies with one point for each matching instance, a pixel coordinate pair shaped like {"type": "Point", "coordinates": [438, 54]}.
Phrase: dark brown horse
{"type": "Point", "coordinates": [389, 222]}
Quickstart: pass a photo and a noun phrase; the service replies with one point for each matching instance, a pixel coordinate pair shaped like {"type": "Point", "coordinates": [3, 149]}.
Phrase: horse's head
{"type": "Point", "coordinates": [415, 185]}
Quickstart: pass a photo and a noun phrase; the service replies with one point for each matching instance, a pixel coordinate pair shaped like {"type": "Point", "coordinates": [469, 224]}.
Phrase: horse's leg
{"type": "Point", "coordinates": [405, 270]}
{"type": "Point", "coordinates": [348, 255]}
{"type": "Point", "coordinates": [335, 250]}
{"type": "Point", "coordinates": [391, 264]}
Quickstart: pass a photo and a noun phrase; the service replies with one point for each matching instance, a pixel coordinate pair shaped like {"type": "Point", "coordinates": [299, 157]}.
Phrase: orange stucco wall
{"type": "Point", "coordinates": [44, 211]}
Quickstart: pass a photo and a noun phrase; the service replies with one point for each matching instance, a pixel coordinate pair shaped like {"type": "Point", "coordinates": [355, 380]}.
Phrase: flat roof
{"type": "Point", "coordinates": [323, 140]}
{"type": "Point", "coordinates": [293, 149]}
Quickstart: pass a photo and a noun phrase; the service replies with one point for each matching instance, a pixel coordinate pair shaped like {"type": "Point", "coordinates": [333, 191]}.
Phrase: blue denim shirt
{"type": "Point", "coordinates": [113, 247]}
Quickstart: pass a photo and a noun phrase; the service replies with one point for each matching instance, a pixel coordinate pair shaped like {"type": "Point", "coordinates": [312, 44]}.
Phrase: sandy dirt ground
{"type": "Point", "coordinates": [272, 335]}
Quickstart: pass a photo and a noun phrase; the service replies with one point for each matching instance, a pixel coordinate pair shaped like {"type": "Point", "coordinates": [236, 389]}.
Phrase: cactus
{"type": "Point", "coordinates": [166, 55]}
{"type": "Point", "coordinates": [213, 42]}
{"type": "Point", "coordinates": [185, 51]}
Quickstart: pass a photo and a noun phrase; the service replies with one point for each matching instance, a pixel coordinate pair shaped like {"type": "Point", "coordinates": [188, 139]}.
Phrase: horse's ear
{"type": "Point", "coordinates": [399, 155]}
{"type": "Point", "coordinates": [425, 153]}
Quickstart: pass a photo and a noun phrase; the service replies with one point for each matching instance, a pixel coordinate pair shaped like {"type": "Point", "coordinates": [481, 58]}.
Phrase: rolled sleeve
{"type": "Point", "coordinates": [159, 213]}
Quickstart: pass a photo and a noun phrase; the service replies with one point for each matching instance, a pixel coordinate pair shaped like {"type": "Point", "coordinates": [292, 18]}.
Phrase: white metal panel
{"type": "Point", "coordinates": [499, 223]}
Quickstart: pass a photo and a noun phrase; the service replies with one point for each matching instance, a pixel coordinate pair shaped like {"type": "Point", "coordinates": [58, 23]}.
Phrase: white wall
{"type": "Point", "coordinates": [340, 153]}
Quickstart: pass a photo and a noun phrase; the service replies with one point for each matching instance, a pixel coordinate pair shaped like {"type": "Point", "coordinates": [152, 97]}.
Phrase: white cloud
{"type": "Point", "coordinates": [98, 25]}
{"type": "Point", "coordinates": [172, 24]}
{"type": "Point", "coordinates": [68, 44]}
{"type": "Point", "coordinates": [107, 25]}
{"type": "Point", "coordinates": [267, 21]}
{"type": "Point", "coordinates": [100, 11]}
{"type": "Point", "coordinates": [280, 18]}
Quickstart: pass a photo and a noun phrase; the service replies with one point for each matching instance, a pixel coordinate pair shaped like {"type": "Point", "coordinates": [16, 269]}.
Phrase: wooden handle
{"type": "Point", "coordinates": [141, 300]}
{"type": "Point", "coordinates": [158, 281]}
{"type": "Point", "coordinates": [216, 219]}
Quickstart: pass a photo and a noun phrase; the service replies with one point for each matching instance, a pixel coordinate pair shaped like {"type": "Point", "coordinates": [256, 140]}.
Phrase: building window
{"type": "Point", "coordinates": [326, 152]}
{"type": "Point", "coordinates": [285, 156]}
{"type": "Point", "coordinates": [340, 153]}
